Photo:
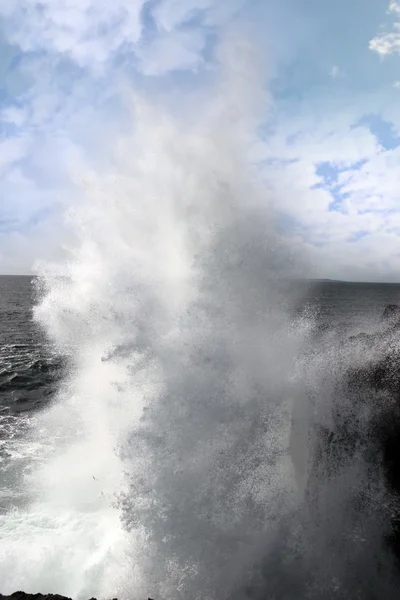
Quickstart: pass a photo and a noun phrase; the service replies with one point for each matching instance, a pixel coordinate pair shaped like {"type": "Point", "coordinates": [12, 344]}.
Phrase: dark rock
{"type": "Point", "coordinates": [391, 313]}
{"type": "Point", "coordinates": [366, 418]}
{"type": "Point", "coordinates": [25, 596]}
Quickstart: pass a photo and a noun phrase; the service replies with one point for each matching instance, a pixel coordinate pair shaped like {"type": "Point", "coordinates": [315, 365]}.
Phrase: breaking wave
{"type": "Point", "coordinates": [173, 464]}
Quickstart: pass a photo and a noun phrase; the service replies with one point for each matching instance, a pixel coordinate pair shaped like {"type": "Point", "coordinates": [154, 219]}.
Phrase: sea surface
{"type": "Point", "coordinates": [29, 376]}
{"type": "Point", "coordinates": [31, 372]}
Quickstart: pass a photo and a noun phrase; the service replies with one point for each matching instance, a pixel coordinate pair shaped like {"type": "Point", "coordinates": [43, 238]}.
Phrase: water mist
{"type": "Point", "coordinates": [165, 467]}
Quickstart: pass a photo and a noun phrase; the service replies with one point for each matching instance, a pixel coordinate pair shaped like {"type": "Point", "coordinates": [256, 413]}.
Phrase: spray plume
{"type": "Point", "coordinates": [165, 466]}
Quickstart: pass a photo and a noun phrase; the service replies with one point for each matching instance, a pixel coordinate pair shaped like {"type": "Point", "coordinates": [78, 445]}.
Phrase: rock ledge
{"type": "Point", "coordinates": [25, 596]}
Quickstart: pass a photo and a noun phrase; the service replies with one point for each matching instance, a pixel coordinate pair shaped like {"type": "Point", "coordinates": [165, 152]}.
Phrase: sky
{"type": "Point", "coordinates": [329, 150]}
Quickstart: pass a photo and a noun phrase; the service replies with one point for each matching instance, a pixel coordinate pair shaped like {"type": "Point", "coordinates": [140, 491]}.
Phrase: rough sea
{"type": "Point", "coordinates": [70, 540]}
{"type": "Point", "coordinates": [31, 370]}
{"type": "Point", "coordinates": [178, 421]}
{"type": "Point", "coordinates": [29, 375]}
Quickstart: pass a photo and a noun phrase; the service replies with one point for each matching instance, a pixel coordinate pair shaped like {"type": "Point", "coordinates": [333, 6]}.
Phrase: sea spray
{"type": "Point", "coordinates": [165, 467]}
{"type": "Point", "coordinates": [349, 510]}
{"type": "Point", "coordinates": [191, 451]}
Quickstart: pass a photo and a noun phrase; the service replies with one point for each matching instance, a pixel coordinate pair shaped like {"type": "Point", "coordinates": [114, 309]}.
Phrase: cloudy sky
{"type": "Point", "coordinates": [330, 151]}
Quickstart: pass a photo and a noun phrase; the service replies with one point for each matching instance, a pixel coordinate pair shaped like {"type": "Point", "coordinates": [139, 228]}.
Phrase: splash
{"type": "Point", "coordinates": [163, 459]}
{"type": "Point", "coordinates": [165, 465]}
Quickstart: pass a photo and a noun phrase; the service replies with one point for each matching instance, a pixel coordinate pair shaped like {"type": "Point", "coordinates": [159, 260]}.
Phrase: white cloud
{"type": "Point", "coordinates": [374, 186]}
{"type": "Point", "coordinates": [349, 225]}
{"type": "Point", "coordinates": [14, 116]}
{"type": "Point", "coordinates": [63, 106]}
{"type": "Point", "coordinates": [19, 250]}
{"type": "Point", "coordinates": [171, 14]}
{"type": "Point", "coordinates": [33, 201]}
{"type": "Point", "coordinates": [88, 32]}
{"type": "Point", "coordinates": [91, 33]}
{"type": "Point", "coordinates": [12, 150]}
{"type": "Point", "coordinates": [60, 110]}
{"type": "Point", "coordinates": [171, 52]}
{"type": "Point", "coordinates": [315, 141]}
{"type": "Point", "coordinates": [388, 42]}
{"type": "Point", "coordinates": [394, 7]}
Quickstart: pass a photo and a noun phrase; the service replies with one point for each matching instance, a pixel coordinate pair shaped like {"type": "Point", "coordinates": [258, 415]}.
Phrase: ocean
{"type": "Point", "coordinates": [31, 370]}
{"type": "Point", "coordinates": [67, 509]}
{"type": "Point", "coordinates": [29, 375]}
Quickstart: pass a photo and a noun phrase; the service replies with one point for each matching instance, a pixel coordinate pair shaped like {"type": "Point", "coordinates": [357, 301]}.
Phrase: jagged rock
{"type": "Point", "coordinates": [25, 596]}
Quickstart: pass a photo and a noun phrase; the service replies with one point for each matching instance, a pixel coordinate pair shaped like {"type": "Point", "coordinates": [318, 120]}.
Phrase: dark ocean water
{"type": "Point", "coordinates": [348, 304]}
{"type": "Point", "coordinates": [28, 369]}
{"type": "Point", "coordinates": [31, 372]}
{"type": "Point", "coordinates": [29, 375]}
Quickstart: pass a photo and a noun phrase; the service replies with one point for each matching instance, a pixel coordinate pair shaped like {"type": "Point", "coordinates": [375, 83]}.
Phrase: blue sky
{"type": "Point", "coordinates": [330, 148]}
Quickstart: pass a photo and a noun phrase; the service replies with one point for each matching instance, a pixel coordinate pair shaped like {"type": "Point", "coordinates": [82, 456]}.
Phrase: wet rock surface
{"type": "Point", "coordinates": [365, 424]}
{"type": "Point", "coordinates": [24, 596]}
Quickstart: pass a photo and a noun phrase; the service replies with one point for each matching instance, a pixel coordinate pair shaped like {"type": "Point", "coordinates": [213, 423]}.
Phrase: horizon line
{"type": "Point", "coordinates": [317, 279]}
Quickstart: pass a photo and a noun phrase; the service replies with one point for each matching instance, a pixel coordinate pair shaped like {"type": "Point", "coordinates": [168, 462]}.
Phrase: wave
{"type": "Point", "coordinates": [168, 464]}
